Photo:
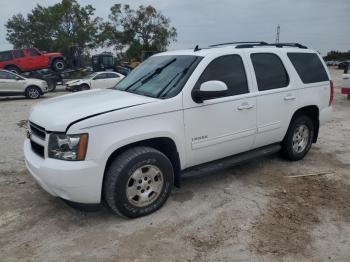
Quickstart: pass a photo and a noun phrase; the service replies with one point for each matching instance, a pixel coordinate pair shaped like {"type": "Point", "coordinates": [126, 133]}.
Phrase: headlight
{"type": "Point", "coordinates": [68, 147]}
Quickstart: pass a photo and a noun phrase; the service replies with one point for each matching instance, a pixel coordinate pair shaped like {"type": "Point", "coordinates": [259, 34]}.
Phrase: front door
{"type": "Point", "coordinates": [222, 126]}
{"type": "Point", "coordinates": [9, 83]}
{"type": "Point", "coordinates": [100, 81]}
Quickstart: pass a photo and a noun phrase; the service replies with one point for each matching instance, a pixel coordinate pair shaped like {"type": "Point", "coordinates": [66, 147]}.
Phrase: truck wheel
{"type": "Point", "coordinates": [32, 92]}
{"type": "Point", "coordinates": [14, 69]}
{"type": "Point", "coordinates": [51, 85]}
{"type": "Point", "coordinates": [298, 139]}
{"type": "Point", "coordinates": [138, 182]}
{"type": "Point", "coordinates": [84, 87]}
{"type": "Point", "coordinates": [58, 64]}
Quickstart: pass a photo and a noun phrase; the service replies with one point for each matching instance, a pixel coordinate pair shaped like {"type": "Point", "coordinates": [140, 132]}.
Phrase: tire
{"type": "Point", "coordinates": [299, 137]}
{"type": "Point", "coordinates": [84, 87]}
{"type": "Point", "coordinates": [51, 85]}
{"type": "Point", "coordinates": [58, 64]}
{"type": "Point", "coordinates": [140, 172]}
{"type": "Point", "coordinates": [33, 92]}
{"type": "Point", "coordinates": [14, 69]}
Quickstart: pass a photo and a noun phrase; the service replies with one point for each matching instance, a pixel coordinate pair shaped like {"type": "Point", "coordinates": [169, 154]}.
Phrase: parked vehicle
{"type": "Point", "coordinates": [25, 60]}
{"type": "Point", "coordinates": [178, 113]}
{"type": "Point", "coordinates": [343, 65]}
{"type": "Point", "coordinates": [107, 62]}
{"type": "Point", "coordinates": [12, 84]}
{"type": "Point", "coordinates": [94, 80]}
{"type": "Point", "coordinates": [346, 81]}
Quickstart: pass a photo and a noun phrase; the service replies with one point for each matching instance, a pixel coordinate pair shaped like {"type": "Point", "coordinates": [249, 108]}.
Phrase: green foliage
{"type": "Point", "coordinates": [66, 24]}
{"type": "Point", "coordinates": [55, 28]}
{"type": "Point", "coordinates": [337, 56]}
{"type": "Point", "coordinates": [141, 30]}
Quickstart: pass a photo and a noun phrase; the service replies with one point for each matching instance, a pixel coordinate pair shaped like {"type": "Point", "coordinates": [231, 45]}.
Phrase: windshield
{"type": "Point", "coordinates": [159, 76]}
{"type": "Point", "coordinates": [89, 76]}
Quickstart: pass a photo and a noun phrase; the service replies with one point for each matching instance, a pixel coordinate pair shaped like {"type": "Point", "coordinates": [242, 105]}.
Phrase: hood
{"type": "Point", "coordinates": [57, 113]}
{"type": "Point", "coordinates": [73, 81]}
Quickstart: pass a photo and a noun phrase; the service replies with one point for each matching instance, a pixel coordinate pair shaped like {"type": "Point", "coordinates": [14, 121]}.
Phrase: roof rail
{"type": "Point", "coordinates": [279, 45]}
{"type": "Point", "coordinates": [242, 42]}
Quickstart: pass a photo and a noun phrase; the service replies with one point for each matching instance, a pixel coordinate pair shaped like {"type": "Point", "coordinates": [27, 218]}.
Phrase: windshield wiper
{"type": "Point", "coordinates": [182, 73]}
{"type": "Point", "coordinates": [149, 76]}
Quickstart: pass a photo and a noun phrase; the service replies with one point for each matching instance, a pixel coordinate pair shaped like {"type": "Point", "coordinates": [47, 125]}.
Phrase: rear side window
{"type": "Point", "coordinates": [228, 69]}
{"type": "Point", "coordinates": [269, 71]}
{"type": "Point", "coordinates": [5, 56]}
{"type": "Point", "coordinates": [309, 67]}
{"type": "Point", "coordinates": [111, 75]}
{"type": "Point", "coordinates": [18, 53]}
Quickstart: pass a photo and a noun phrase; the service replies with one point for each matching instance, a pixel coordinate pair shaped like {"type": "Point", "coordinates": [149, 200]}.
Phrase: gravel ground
{"type": "Point", "coordinates": [252, 212]}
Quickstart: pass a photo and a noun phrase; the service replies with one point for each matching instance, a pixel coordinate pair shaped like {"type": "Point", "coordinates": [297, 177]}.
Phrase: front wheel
{"type": "Point", "coordinates": [84, 87]}
{"type": "Point", "coordinates": [58, 65]}
{"type": "Point", "coordinates": [33, 92]}
{"type": "Point", "coordinates": [138, 182]}
{"type": "Point", "coordinates": [298, 139]}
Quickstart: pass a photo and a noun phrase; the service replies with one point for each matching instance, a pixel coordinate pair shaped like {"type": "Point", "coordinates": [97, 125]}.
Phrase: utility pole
{"type": "Point", "coordinates": [278, 34]}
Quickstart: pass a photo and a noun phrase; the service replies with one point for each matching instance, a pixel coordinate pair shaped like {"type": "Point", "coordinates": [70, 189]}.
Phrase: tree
{"type": "Point", "coordinates": [337, 55]}
{"type": "Point", "coordinates": [55, 28]}
{"type": "Point", "coordinates": [144, 29]}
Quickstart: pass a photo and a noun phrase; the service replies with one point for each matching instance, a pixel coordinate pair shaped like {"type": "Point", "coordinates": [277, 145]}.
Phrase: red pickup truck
{"type": "Point", "coordinates": [24, 60]}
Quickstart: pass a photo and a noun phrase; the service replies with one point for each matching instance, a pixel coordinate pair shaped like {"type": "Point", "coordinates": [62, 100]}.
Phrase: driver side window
{"type": "Point", "coordinates": [228, 69]}
{"type": "Point", "coordinates": [7, 75]}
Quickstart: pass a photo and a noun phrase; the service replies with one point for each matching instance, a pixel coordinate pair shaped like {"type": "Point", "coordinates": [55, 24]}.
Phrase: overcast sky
{"type": "Point", "coordinates": [320, 24]}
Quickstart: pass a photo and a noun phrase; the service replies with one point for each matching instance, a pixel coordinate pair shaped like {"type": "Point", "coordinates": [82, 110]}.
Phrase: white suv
{"type": "Point", "coordinates": [177, 113]}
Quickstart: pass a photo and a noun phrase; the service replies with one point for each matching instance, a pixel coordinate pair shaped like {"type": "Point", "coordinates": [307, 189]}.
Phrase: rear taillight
{"type": "Point", "coordinates": [331, 95]}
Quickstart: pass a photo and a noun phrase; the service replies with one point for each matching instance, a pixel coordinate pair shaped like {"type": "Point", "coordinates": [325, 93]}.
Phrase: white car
{"type": "Point", "coordinates": [95, 80]}
{"type": "Point", "coordinates": [178, 113]}
{"type": "Point", "coordinates": [12, 84]}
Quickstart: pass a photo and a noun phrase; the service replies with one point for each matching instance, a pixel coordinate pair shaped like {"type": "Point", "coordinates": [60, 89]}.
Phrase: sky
{"type": "Point", "coordinates": [322, 25]}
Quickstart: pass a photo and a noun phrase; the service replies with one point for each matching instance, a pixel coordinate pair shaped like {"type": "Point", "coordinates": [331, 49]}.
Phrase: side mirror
{"type": "Point", "coordinates": [209, 90]}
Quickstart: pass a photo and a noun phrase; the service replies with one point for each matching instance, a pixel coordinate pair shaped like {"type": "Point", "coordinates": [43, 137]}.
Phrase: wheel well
{"type": "Point", "coordinates": [164, 144]}
{"type": "Point", "coordinates": [313, 113]}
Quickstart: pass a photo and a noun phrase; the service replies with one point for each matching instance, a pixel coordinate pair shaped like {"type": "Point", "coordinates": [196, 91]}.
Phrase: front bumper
{"type": "Point", "coordinates": [76, 181]}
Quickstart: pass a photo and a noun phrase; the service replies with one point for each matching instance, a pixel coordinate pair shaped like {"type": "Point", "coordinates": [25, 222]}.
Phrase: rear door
{"type": "Point", "coordinates": [276, 95]}
{"type": "Point", "coordinates": [19, 59]}
{"type": "Point", "coordinates": [113, 79]}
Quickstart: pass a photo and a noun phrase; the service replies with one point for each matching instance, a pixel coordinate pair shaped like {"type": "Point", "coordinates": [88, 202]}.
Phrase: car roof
{"type": "Point", "coordinates": [229, 48]}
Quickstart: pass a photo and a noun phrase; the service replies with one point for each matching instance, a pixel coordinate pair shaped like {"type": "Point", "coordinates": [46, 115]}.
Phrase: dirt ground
{"type": "Point", "coordinates": [252, 212]}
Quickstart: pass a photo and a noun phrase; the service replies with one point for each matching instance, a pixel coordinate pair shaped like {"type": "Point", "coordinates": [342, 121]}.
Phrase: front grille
{"type": "Point", "coordinates": [37, 130]}
{"type": "Point", "coordinates": [37, 149]}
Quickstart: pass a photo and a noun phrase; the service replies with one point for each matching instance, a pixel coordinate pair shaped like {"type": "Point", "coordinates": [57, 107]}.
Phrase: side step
{"type": "Point", "coordinates": [229, 161]}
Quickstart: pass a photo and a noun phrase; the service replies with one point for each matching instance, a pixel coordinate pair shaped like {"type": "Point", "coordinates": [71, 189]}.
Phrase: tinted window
{"type": "Point", "coordinates": [5, 56]}
{"type": "Point", "coordinates": [33, 52]}
{"type": "Point", "coordinates": [111, 75]}
{"type": "Point", "coordinates": [101, 76]}
{"type": "Point", "coordinates": [6, 75]}
{"type": "Point", "coordinates": [228, 69]}
{"type": "Point", "coordinates": [18, 53]}
{"type": "Point", "coordinates": [309, 67]}
{"type": "Point", "coordinates": [269, 71]}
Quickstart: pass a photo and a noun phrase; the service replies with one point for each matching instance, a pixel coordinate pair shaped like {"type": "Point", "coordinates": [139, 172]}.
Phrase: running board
{"type": "Point", "coordinates": [229, 161]}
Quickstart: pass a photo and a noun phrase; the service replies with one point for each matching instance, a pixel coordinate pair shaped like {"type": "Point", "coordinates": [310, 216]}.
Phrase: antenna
{"type": "Point", "coordinates": [278, 34]}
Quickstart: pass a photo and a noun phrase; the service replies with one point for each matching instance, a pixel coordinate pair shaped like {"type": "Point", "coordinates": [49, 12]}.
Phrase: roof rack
{"type": "Point", "coordinates": [279, 45]}
{"type": "Point", "coordinates": [242, 42]}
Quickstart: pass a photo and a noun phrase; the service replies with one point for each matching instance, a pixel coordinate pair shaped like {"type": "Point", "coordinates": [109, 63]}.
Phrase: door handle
{"type": "Point", "coordinates": [289, 97]}
{"type": "Point", "coordinates": [245, 106]}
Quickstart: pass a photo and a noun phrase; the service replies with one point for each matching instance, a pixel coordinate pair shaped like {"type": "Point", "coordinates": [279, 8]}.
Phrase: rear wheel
{"type": "Point", "coordinates": [33, 92]}
{"type": "Point", "coordinates": [299, 137]}
{"type": "Point", "coordinates": [138, 182]}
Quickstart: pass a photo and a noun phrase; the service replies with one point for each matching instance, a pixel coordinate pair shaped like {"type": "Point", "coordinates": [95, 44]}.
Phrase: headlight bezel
{"type": "Point", "coordinates": [62, 146]}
